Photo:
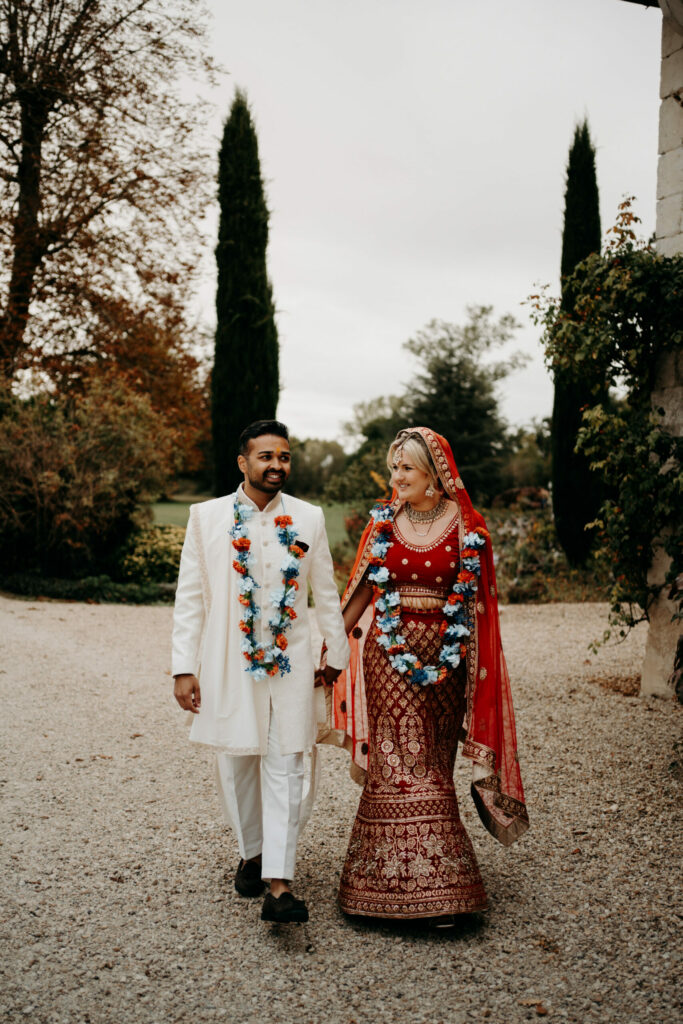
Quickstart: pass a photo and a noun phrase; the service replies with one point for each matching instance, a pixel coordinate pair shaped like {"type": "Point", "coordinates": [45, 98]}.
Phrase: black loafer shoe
{"type": "Point", "coordinates": [283, 909]}
{"type": "Point", "coordinates": [248, 881]}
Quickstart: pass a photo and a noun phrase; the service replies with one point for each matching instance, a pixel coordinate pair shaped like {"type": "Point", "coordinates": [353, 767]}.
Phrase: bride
{"type": "Point", "coordinates": [427, 669]}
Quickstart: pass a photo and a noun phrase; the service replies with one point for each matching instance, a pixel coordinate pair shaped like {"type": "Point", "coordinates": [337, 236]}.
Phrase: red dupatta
{"type": "Point", "coordinates": [489, 730]}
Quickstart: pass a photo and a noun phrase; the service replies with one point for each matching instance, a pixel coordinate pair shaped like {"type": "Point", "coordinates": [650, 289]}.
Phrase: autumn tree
{"type": "Point", "coordinates": [79, 474]}
{"type": "Point", "coordinates": [104, 177]}
{"type": "Point", "coordinates": [245, 379]}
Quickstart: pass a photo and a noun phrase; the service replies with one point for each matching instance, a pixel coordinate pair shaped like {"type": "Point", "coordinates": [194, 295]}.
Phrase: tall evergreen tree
{"type": "Point", "coordinates": [576, 491]}
{"type": "Point", "coordinates": [245, 380]}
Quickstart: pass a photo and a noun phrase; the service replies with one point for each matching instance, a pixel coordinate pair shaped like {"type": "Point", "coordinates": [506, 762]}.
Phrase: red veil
{"type": "Point", "coordinates": [489, 728]}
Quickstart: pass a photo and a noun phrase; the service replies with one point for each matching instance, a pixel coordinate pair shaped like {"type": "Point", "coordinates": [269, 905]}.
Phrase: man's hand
{"type": "Point", "coordinates": [187, 693]}
{"type": "Point", "coordinates": [326, 675]}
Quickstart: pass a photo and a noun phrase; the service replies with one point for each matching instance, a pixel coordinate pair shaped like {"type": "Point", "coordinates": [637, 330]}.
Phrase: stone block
{"type": "Point", "coordinates": [669, 370]}
{"type": "Point", "coordinates": [656, 574]}
{"type": "Point", "coordinates": [672, 74]}
{"type": "Point", "coordinates": [670, 400]}
{"type": "Point", "coordinates": [671, 123]}
{"type": "Point", "coordinates": [670, 173]}
{"type": "Point", "coordinates": [670, 246]}
{"type": "Point", "coordinates": [670, 216]}
{"type": "Point", "coordinates": [660, 651]}
{"type": "Point", "coordinates": [672, 38]}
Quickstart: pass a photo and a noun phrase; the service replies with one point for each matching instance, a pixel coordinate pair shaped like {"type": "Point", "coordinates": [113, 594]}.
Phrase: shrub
{"type": "Point", "coordinates": [79, 473]}
{"type": "Point", "coordinates": [92, 589]}
{"type": "Point", "coordinates": [151, 555]}
{"type": "Point", "coordinates": [530, 565]}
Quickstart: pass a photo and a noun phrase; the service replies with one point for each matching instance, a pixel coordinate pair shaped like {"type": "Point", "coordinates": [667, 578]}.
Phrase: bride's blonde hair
{"type": "Point", "coordinates": [415, 449]}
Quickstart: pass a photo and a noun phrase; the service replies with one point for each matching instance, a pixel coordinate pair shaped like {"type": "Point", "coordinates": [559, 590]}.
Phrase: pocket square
{"type": "Point", "coordinates": [302, 544]}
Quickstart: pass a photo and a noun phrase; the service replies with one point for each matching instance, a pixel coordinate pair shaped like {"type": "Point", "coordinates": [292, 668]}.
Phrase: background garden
{"type": "Point", "coordinates": [116, 409]}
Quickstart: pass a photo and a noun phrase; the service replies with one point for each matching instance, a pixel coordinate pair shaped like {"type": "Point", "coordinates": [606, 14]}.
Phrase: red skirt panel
{"type": "Point", "coordinates": [409, 855]}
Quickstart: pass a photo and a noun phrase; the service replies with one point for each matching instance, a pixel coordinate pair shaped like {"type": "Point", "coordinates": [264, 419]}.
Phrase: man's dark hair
{"type": "Point", "coordinates": [258, 429]}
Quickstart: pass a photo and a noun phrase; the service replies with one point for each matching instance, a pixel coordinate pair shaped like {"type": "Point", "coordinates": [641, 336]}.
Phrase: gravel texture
{"type": "Point", "coordinates": [118, 904]}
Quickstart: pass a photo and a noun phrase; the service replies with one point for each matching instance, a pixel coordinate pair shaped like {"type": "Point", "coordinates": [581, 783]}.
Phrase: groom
{"type": "Point", "coordinates": [241, 613]}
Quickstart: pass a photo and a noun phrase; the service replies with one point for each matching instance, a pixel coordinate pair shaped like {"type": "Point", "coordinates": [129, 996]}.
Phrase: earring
{"type": "Point", "coordinates": [430, 492]}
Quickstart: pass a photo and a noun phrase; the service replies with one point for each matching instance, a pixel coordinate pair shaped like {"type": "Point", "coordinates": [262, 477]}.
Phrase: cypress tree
{"type": "Point", "coordinates": [576, 490]}
{"type": "Point", "coordinates": [245, 379]}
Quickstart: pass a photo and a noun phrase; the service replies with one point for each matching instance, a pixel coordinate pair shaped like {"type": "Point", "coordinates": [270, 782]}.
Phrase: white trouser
{"type": "Point", "coordinates": [261, 798]}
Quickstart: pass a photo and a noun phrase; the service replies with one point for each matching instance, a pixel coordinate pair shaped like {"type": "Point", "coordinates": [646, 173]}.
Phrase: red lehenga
{"type": "Point", "coordinates": [409, 855]}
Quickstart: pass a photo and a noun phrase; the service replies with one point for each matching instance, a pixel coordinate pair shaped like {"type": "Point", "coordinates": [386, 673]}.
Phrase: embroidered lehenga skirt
{"type": "Point", "coordinates": [409, 855]}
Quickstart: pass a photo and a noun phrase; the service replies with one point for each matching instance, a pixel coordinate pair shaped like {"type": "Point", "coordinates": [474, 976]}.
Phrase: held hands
{"type": "Point", "coordinates": [326, 676]}
{"type": "Point", "coordinates": [186, 691]}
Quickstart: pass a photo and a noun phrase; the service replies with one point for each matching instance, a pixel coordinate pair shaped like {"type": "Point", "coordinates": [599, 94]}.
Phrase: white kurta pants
{"type": "Point", "coordinates": [261, 798]}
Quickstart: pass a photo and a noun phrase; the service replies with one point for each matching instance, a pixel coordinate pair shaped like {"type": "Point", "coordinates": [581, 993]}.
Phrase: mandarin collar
{"type": "Point", "coordinates": [246, 500]}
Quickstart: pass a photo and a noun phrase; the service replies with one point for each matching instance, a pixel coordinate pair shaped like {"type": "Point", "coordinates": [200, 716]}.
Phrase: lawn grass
{"type": "Point", "coordinates": [176, 512]}
{"type": "Point", "coordinates": [171, 513]}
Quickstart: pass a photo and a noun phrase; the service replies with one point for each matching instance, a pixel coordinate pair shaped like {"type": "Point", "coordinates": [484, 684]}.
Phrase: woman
{"type": "Point", "coordinates": [422, 614]}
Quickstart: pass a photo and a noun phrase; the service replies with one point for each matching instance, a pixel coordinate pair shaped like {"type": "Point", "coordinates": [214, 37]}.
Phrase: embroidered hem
{"type": "Point", "coordinates": [409, 855]}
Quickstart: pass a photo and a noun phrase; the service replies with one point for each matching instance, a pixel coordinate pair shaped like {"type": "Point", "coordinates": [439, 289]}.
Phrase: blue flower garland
{"type": "Point", "coordinates": [269, 659]}
{"type": "Point", "coordinates": [456, 628]}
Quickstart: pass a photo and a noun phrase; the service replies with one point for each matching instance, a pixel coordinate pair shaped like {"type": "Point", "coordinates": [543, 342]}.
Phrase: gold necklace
{"type": "Point", "coordinates": [428, 516]}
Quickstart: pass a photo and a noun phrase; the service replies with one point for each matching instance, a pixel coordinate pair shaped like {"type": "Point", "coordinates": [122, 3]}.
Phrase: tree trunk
{"type": "Point", "coordinates": [28, 246]}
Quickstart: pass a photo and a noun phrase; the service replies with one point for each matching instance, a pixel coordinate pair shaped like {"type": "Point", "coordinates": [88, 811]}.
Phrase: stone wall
{"type": "Point", "coordinates": [663, 635]}
{"type": "Point", "coordinates": [670, 167]}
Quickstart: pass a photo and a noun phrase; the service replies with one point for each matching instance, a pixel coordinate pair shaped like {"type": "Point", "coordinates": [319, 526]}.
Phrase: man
{"type": "Point", "coordinates": [241, 613]}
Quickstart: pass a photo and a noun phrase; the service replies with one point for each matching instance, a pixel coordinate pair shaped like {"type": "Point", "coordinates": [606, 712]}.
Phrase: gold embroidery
{"type": "Point", "coordinates": [409, 855]}
{"type": "Point", "coordinates": [451, 526]}
{"type": "Point", "coordinates": [479, 753]}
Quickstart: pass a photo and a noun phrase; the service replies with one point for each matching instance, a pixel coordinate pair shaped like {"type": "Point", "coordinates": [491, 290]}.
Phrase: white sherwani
{"type": "Point", "coordinates": [235, 707]}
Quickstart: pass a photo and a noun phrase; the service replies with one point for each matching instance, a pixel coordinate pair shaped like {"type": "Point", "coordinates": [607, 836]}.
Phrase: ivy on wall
{"type": "Point", "coordinates": [623, 321]}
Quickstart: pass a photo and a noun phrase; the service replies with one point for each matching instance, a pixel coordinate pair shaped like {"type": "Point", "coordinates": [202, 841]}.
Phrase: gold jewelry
{"type": "Point", "coordinates": [429, 515]}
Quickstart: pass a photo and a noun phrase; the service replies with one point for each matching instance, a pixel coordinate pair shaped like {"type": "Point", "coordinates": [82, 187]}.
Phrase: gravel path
{"type": "Point", "coordinates": [118, 903]}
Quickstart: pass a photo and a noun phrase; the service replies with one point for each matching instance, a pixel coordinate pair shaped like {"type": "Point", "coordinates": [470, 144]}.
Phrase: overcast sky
{"type": "Point", "coordinates": [414, 157]}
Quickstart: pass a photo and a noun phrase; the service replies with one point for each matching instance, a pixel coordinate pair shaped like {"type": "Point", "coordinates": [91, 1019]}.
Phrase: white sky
{"type": "Point", "coordinates": [414, 157]}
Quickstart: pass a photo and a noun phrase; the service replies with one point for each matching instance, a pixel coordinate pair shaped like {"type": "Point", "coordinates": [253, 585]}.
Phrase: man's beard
{"type": "Point", "coordinates": [266, 486]}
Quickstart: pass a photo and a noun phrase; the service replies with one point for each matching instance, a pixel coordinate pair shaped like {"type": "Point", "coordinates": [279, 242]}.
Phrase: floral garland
{"type": "Point", "coordinates": [269, 659]}
{"type": "Point", "coordinates": [456, 627]}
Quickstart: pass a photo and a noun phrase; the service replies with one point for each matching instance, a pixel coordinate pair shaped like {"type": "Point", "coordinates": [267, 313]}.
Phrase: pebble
{"type": "Point", "coordinates": [118, 902]}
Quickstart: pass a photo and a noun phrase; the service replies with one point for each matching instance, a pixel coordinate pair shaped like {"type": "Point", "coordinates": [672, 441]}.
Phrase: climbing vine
{"type": "Point", "coordinates": [624, 324]}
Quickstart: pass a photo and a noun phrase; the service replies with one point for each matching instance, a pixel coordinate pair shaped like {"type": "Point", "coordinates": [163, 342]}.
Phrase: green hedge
{"type": "Point", "coordinates": [91, 588]}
